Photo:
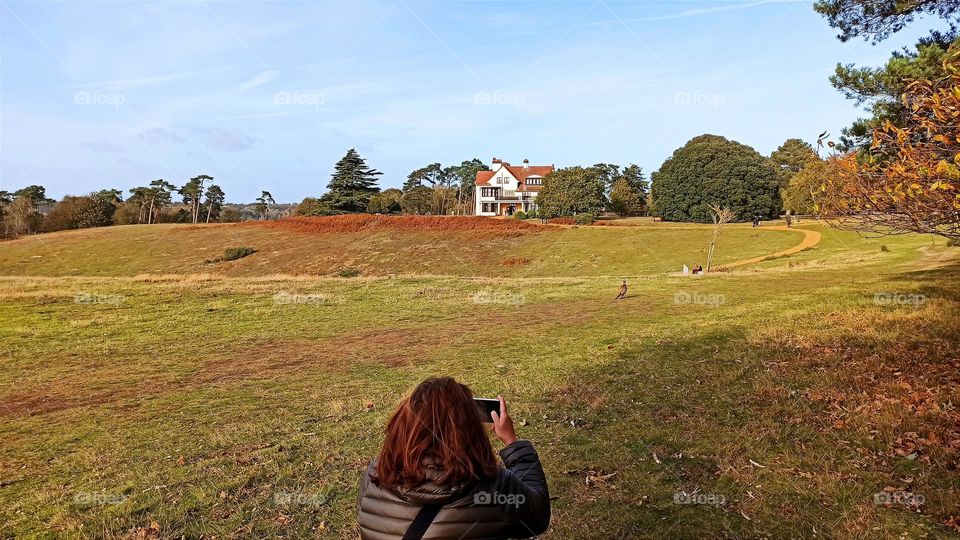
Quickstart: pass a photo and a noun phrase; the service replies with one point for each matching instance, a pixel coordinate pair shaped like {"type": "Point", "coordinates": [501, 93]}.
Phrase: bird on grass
{"type": "Point", "coordinates": [623, 291]}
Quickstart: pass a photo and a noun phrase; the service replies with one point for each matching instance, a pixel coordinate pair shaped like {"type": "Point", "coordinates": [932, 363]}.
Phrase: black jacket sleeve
{"type": "Point", "coordinates": [528, 512]}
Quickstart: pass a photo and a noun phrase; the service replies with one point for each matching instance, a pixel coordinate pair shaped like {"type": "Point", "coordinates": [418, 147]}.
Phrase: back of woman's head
{"type": "Point", "coordinates": [440, 421]}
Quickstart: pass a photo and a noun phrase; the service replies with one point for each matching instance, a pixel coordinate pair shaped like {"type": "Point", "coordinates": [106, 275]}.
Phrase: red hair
{"type": "Point", "coordinates": [439, 421]}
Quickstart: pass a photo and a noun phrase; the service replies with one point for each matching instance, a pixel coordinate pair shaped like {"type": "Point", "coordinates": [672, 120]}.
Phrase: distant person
{"type": "Point", "coordinates": [623, 291]}
{"type": "Point", "coordinates": [698, 269]}
{"type": "Point", "coordinates": [437, 476]}
{"type": "Point", "coordinates": [789, 219]}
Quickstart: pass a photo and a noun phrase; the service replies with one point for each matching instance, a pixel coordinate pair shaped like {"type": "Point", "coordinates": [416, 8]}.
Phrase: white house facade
{"type": "Point", "coordinates": [507, 189]}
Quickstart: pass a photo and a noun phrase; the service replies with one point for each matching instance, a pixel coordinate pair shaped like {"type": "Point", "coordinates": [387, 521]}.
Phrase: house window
{"type": "Point", "coordinates": [488, 192]}
{"type": "Point", "coordinates": [489, 207]}
{"type": "Point", "coordinates": [534, 181]}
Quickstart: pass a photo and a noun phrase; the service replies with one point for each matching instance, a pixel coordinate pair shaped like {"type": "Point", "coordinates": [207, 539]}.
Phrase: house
{"type": "Point", "coordinates": [507, 189]}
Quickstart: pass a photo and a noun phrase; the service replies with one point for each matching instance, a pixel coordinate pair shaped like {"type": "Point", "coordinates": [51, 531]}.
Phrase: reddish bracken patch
{"type": "Point", "coordinates": [367, 222]}
{"type": "Point", "coordinates": [515, 261]}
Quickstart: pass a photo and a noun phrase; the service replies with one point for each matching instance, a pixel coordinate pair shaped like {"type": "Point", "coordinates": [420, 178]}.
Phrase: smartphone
{"type": "Point", "coordinates": [487, 406]}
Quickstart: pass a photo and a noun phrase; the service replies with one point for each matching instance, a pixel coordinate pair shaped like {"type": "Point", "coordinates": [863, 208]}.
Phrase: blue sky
{"type": "Point", "coordinates": [267, 95]}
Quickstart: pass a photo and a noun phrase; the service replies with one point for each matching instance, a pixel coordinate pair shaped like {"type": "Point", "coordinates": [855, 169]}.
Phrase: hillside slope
{"type": "Point", "coordinates": [415, 245]}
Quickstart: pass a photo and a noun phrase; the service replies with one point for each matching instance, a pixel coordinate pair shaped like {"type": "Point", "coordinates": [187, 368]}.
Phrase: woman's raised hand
{"type": "Point", "coordinates": [503, 424]}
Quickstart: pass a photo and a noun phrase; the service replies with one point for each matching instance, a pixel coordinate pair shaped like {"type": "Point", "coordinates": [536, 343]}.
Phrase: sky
{"type": "Point", "coordinates": [269, 95]}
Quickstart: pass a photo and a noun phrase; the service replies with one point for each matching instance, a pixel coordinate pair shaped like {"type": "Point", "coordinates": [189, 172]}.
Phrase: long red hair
{"type": "Point", "coordinates": [439, 420]}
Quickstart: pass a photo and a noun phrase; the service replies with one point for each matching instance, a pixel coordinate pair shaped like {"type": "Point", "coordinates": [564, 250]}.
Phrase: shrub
{"type": "Point", "coordinates": [348, 272]}
{"type": "Point", "coordinates": [884, 248]}
{"type": "Point", "coordinates": [584, 219]}
{"type": "Point", "coordinates": [520, 215]}
{"type": "Point", "coordinates": [953, 242]}
{"type": "Point", "coordinates": [232, 254]}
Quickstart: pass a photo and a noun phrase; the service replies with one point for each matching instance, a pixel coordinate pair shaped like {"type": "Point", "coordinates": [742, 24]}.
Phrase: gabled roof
{"type": "Point", "coordinates": [519, 172]}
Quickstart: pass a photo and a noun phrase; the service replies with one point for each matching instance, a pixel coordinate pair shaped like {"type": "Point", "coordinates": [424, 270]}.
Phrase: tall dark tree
{"type": "Point", "coordinates": [192, 193]}
{"type": "Point", "coordinates": [713, 170]}
{"type": "Point", "coordinates": [263, 204]}
{"type": "Point", "coordinates": [464, 176]}
{"type": "Point", "coordinates": [214, 202]}
{"type": "Point", "coordinates": [351, 186]}
{"type": "Point", "coordinates": [37, 195]}
{"type": "Point", "coordinates": [432, 174]}
{"type": "Point", "coordinates": [876, 20]}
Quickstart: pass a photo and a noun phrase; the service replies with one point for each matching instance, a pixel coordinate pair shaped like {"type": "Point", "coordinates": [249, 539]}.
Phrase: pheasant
{"type": "Point", "coordinates": [623, 291]}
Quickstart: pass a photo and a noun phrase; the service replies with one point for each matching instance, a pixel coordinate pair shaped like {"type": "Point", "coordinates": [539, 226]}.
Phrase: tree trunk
{"type": "Point", "coordinates": [150, 214]}
{"type": "Point", "coordinates": [209, 209]}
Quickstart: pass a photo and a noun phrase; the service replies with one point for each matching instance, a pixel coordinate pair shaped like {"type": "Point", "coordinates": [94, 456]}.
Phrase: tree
{"type": "Point", "coordinates": [37, 195]}
{"type": "Point", "coordinates": [214, 202]}
{"type": "Point", "coordinates": [5, 199]}
{"type": "Point", "coordinates": [159, 195]}
{"type": "Point", "coordinates": [624, 199]}
{"type": "Point", "coordinates": [909, 180]}
{"type": "Point", "coordinates": [465, 177]}
{"type": "Point", "coordinates": [351, 185]}
{"type": "Point", "coordinates": [571, 191]}
{"type": "Point", "coordinates": [442, 200]}
{"type": "Point", "coordinates": [386, 202]}
{"type": "Point", "coordinates": [263, 204]}
{"type": "Point", "coordinates": [417, 200]}
{"type": "Point", "coordinates": [721, 216]}
{"type": "Point", "coordinates": [633, 174]}
{"type": "Point", "coordinates": [876, 20]}
{"type": "Point", "coordinates": [790, 158]}
{"type": "Point", "coordinates": [803, 193]}
{"type": "Point", "coordinates": [878, 90]}
{"type": "Point", "coordinates": [432, 174]}
{"type": "Point", "coordinates": [311, 206]}
{"type": "Point", "coordinates": [113, 196]}
{"type": "Point", "coordinates": [22, 217]}
{"type": "Point", "coordinates": [92, 210]}
{"type": "Point", "coordinates": [710, 169]}
{"type": "Point", "coordinates": [192, 193]}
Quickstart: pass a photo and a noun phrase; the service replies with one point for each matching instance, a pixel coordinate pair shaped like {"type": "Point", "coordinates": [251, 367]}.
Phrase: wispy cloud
{"type": "Point", "coordinates": [159, 135]}
{"type": "Point", "coordinates": [226, 140]}
{"type": "Point", "coordinates": [260, 79]}
{"type": "Point", "coordinates": [703, 11]}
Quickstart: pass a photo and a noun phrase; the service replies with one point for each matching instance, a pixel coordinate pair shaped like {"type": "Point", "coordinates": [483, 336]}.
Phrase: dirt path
{"type": "Point", "coordinates": [810, 239]}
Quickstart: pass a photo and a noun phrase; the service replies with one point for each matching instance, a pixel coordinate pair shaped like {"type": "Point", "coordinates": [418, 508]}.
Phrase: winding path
{"type": "Point", "coordinates": [810, 239]}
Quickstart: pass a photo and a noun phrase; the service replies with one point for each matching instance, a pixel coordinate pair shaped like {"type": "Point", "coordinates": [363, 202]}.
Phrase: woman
{"type": "Point", "coordinates": [437, 476]}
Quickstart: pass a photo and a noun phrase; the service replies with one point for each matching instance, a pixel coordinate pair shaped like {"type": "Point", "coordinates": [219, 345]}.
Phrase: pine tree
{"type": "Point", "coordinates": [351, 185]}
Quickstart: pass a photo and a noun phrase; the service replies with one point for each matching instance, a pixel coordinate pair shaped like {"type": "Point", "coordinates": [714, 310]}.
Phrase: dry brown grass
{"type": "Point", "coordinates": [367, 222]}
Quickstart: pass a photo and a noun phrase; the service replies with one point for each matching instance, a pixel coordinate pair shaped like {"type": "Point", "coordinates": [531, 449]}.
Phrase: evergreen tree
{"type": "Point", "coordinates": [351, 186]}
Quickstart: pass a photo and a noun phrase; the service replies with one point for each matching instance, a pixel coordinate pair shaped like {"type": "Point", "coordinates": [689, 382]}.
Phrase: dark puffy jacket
{"type": "Point", "coordinates": [515, 504]}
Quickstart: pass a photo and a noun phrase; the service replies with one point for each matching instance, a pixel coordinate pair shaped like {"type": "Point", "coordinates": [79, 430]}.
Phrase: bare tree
{"type": "Point", "coordinates": [721, 216]}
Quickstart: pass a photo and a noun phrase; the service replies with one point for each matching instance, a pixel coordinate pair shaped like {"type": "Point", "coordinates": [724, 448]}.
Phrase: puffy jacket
{"type": "Point", "coordinates": [515, 504]}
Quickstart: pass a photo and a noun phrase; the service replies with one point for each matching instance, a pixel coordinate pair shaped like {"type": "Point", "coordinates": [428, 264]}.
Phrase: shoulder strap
{"type": "Point", "coordinates": [422, 522]}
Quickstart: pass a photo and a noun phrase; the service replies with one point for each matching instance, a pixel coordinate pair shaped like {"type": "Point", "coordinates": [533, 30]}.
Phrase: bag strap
{"type": "Point", "coordinates": [422, 522]}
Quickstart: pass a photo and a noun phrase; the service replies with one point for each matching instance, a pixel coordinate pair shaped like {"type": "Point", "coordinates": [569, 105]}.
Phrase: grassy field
{"type": "Point", "coordinates": [146, 393]}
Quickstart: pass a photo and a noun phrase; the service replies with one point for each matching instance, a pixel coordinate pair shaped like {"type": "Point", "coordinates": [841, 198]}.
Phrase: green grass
{"type": "Point", "coordinates": [554, 252]}
{"type": "Point", "coordinates": [198, 402]}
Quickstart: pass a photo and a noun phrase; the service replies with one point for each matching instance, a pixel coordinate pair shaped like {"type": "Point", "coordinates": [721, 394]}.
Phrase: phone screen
{"type": "Point", "coordinates": [487, 406]}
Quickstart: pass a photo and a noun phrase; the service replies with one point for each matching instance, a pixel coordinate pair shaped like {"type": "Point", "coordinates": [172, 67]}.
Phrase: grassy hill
{"type": "Point", "coordinates": [501, 250]}
{"type": "Point", "coordinates": [147, 394]}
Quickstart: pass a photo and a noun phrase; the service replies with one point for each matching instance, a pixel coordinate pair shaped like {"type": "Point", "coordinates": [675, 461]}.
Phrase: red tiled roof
{"type": "Point", "coordinates": [520, 172]}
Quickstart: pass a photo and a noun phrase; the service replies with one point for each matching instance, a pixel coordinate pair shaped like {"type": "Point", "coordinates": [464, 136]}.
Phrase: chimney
{"type": "Point", "coordinates": [494, 162]}
{"type": "Point", "coordinates": [526, 163]}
